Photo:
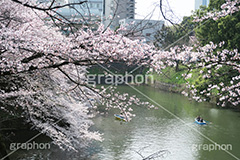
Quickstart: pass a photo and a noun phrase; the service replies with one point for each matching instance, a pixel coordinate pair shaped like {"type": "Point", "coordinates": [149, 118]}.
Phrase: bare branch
{"type": "Point", "coordinates": [50, 7]}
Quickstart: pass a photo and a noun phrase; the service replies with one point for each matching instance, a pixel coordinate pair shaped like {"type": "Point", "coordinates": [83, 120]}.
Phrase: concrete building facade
{"type": "Point", "coordinates": [114, 10]}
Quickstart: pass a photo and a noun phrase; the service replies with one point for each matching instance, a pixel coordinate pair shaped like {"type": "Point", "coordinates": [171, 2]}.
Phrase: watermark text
{"type": "Point", "coordinates": [119, 79]}
{"type": "Point", "coordinates": [212, 147]}
{"type": "Point", "coordinates": [29, 146]}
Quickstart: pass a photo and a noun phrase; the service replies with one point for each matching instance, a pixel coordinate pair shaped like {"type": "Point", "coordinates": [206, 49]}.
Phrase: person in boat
{"type": "Point", "coordinates": [198, 118]}
{"type": "Point", "coordinates": [201, 120]}
{"type": "Point", "coordinates": [121, 113]}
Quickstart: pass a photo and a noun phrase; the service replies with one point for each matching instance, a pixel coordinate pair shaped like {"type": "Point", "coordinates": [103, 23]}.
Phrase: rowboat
{"type": "Point", "coordinates": [119, 117]}
{"type": "Point", "coordinates": [200, 123]}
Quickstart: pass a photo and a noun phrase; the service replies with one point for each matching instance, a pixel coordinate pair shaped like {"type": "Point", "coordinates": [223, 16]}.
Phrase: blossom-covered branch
{"type": "Point", "coordinates": [213, 63]}
{"type": "Point", "coordinates": [44, 71]}
{"type": "Point", "coordinates": [228, 8]}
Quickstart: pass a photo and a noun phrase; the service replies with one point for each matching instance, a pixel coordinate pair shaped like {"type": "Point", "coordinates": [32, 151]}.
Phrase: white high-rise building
{"type": "Point", "coordinates": [199, 3]}
{"type": "Point", "coordinates": [114, 10]}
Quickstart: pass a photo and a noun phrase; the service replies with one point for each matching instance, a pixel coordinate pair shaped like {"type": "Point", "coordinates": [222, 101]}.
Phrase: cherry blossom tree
{"type": "Point", "coordinates": [43, 71]}
{"type": "Point", "coordinates": [219, 67]}
{"type": "Point", "coordinates": [213, 64]}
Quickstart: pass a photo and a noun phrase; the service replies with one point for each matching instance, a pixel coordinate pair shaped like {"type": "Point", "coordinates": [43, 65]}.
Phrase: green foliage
{"type": "Point", "coordinates": [225, 29]}
{"type": "Point", "coordinates": [215, 4]}
{"type": "Point", "coordinates": [176, 34]}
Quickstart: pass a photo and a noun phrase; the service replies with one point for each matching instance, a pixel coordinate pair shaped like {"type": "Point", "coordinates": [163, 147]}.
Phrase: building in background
{"type": "Point", "coordinates": [84, 13]}
{"type": "Point", "coordinates": [114, 10]}
{"type": "Point", "coordinates": [141, 29]}
{"type": "Point", "coordinates": [122, 12]}
{"type": "Point", "coordinates": [199, 3]}
{"type": "Point", "coordinates": [112, 13]}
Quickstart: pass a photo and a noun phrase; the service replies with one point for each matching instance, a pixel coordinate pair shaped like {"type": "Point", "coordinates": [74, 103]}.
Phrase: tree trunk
{"type": "Point", "coordinates": [177, 66]}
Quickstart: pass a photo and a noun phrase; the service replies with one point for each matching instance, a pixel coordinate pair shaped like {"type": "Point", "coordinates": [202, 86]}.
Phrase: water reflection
{"type": "Point", "coordinates": [156, 130]}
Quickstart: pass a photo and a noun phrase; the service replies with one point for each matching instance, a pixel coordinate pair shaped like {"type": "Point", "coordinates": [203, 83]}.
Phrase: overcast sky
{"type": "Point", "coordinates": [179, 7]}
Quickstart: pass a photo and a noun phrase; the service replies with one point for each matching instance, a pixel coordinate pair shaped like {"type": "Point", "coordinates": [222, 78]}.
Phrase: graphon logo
{"type": "Point", "coordinates": [29, 146]}
{"type": "Point", "coordinates": [211, 147]}
{"type": "Point", "coordinates": [119, 79]}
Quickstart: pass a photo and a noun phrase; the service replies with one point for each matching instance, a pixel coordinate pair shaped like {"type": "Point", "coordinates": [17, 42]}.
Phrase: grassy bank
{"type": "Point", "coordinates": [175, 81]}
{"type": "Point", "coordinates": [171, 76]}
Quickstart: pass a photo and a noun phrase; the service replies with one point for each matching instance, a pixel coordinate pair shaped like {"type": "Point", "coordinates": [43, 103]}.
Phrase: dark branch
{"type": "Point", "coordinates": [50, 7]}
